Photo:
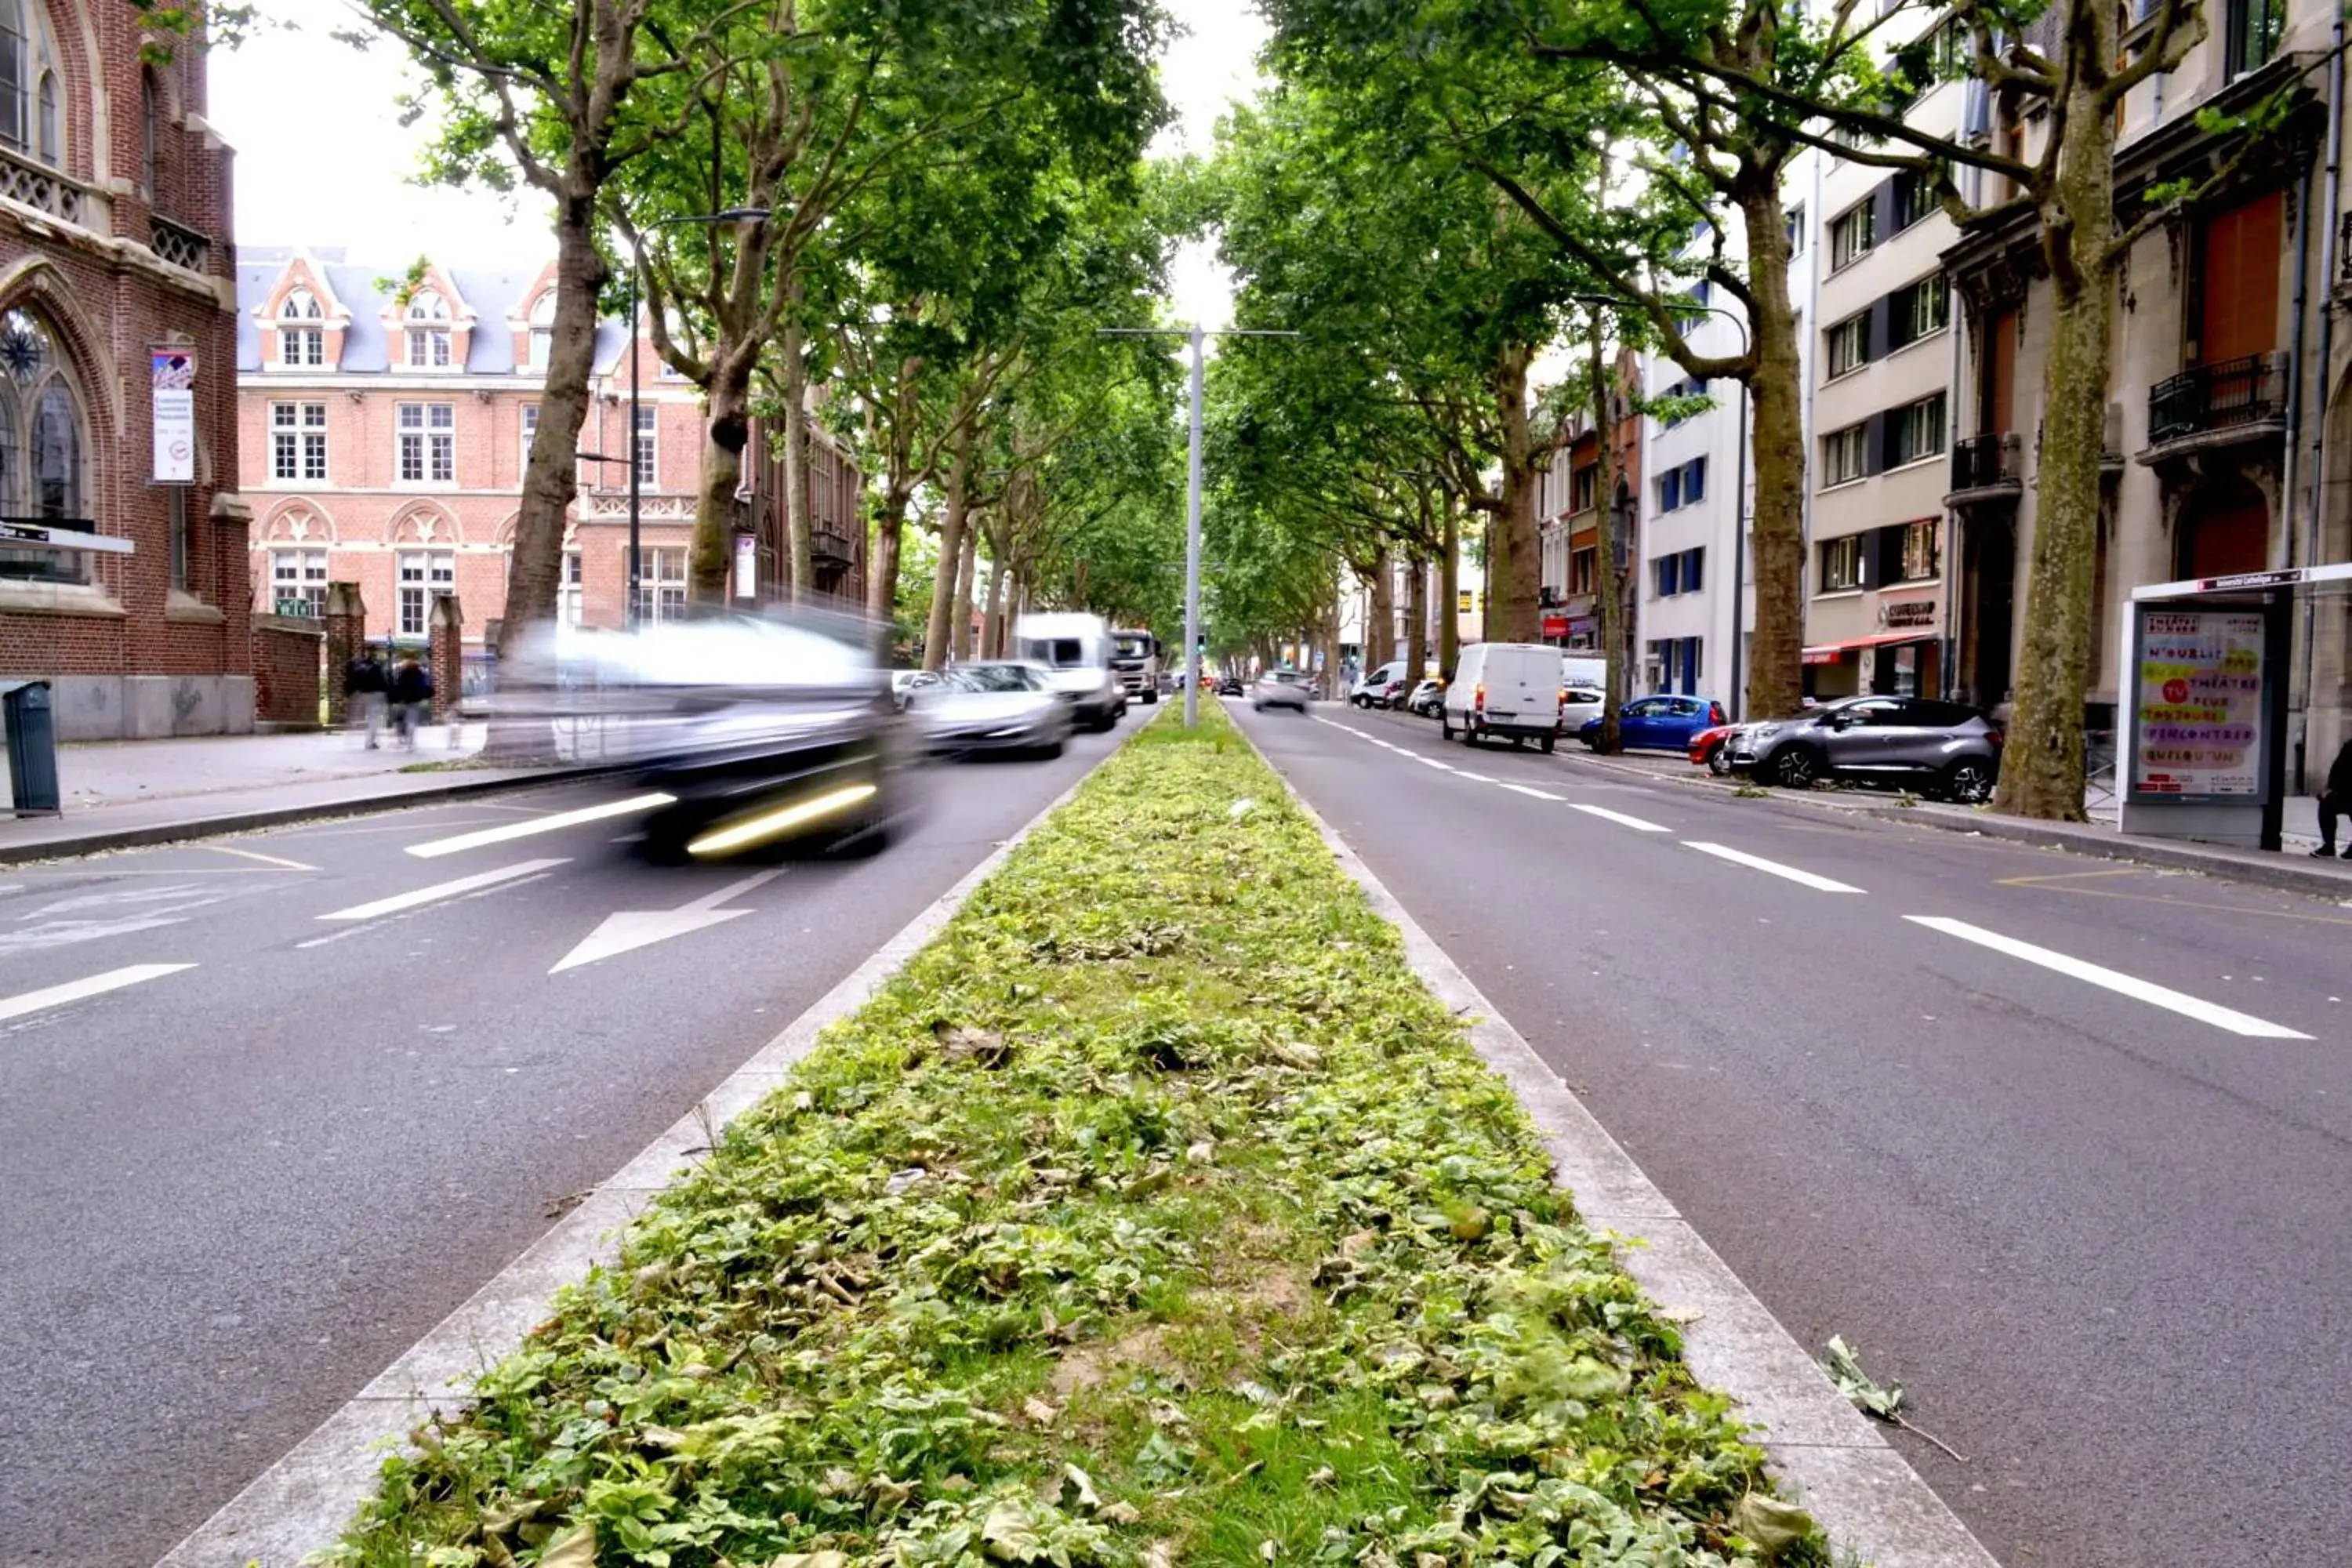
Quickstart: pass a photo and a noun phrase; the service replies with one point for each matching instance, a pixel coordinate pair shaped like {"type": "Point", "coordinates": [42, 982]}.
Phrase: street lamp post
{"type": "Point", "coordinates": [1740, 483]}
{"type": "Point", "coordinates": [1197, 335]}
{"type": "Point", "coordinates": [636, 486]}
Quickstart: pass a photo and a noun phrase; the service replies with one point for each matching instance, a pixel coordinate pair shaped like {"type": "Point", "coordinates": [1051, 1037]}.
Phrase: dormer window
{"type": "Point", "coordinates": [542, 332]}
{"type": "Point", "coordinates": [429, 331]}
{"type": "Point", "coordinates": [301, 331]}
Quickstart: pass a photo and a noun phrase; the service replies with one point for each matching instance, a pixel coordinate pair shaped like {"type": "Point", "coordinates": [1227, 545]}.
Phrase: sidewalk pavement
{"type": "Point", "coordinates": [119, 793]}
{"type": "Point", "coordinates": [2293, 868]}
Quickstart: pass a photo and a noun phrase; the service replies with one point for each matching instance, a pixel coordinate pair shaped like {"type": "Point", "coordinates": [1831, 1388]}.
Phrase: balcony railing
{"type": "Point", "coordinates": [1989, 462]}
{"type": "Point", "coordinates": [45, 189]}
{"type": "Point", "coordinates": [180, 245]}
{"type": "Point", "coordinates": [830, 544]}
{"type": "Point", "coordinates": [2210, 397]}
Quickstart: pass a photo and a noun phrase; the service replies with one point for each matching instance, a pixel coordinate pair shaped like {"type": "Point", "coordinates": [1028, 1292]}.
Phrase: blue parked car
{"type": "Point", "coordinates": [1659, 723]}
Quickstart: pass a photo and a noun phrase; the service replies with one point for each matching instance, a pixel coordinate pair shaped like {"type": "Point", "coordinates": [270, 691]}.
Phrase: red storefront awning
{"type": "Point", "coordinates": [1831, 652]}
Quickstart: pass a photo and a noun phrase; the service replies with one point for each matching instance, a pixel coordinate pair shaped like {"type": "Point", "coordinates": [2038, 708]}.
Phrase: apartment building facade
{"type": "Point", "coordinates": [122, 532]}
{"type": "Point", "coordinates": [388, 423]}
{"type": "Point", "coordinates": [1568, 512]}
{"type": "Point", "coordinates": [2228, 371]}
{"type": "Point", "coordinates": [1693, 609]}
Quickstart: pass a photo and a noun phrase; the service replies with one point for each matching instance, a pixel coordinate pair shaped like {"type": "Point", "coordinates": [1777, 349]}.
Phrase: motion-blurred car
{"type": "Point", "coordinates": [905, 683]}
{"type": "Point", "coordinates": [744, 731]}
{"type": "Point", "coordinates": [995, 705]}
{"type": "Point", "coordinates": [1946, 747]}
{"type": "Point", "coordinates": [1658, 723]}
{"type": "Point", "coordinates": [1428, 697]}
{"type": "Point", "coordinates": [1280, 688]}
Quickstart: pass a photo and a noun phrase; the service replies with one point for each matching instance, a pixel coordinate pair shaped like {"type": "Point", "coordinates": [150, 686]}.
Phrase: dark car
{"type": "Point", "coordinates": [1946, 747]}
{"type": "Point", "coordinates": [1665, 723]}
{"type": "Point", "coordinates": [1230, 686]}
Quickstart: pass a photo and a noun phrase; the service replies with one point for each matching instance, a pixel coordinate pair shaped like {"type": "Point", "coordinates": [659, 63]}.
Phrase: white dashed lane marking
{"type": "Point", "coordinates": [1533, 792]}
{"type": "Point", "coordinates": [17, 1006]}
{"type": "Point", "coordinates": [1757, 862]}
{"type": "Point", "coordinates": [1618, 817]}
{"type": "Point", "coordinates": [2112, 980]}
{"type": "Point", "coordinates": [439, 891]}
{"type": "Point", "coordinates": [561, 819]}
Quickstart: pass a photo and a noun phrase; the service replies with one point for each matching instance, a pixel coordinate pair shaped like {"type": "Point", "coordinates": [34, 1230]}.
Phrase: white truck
{"type": "Point", "coordinates": [1075, 650]}
{"type": "Point", "coordinates": [1135, 655]}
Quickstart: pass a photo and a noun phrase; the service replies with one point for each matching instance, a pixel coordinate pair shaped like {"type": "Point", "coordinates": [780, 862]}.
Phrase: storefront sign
{"type": "Point", "coordinates": [1583, 626]}
{"type": "Point", "coordinates": [174, 377]}
{"type": "Point", "coordinates": [1555, 626]}
{"type": "Point", "coordinates": [1905, 614]}
{"type": "Point", "coordinates": [2200, 725]}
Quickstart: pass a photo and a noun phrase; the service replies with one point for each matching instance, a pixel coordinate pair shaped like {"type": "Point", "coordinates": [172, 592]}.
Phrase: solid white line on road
{"type": "Point", "coordinates": [1740, 857]}
{"type": "Point", "coordinates": [1432, 763]}
{"type": "Point", "coordinates": [1474, 778]}
{"type": "Point", "coordinates": [75, 990]}
{"type": "Point", "coordinates": [1531, 791]}
{"type": "Point", "coordinates": [409, 901]}
{"type": "Point", "coordinates": [561, 819]}
{"type": "Point", "coordinates": [2112, 980]}
{"type": "Point", "coordinates": [1620, 819]}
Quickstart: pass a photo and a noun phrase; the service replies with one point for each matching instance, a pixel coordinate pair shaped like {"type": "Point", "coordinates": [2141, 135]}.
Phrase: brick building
{"type": "Point", "coordinates": [387, 440]}
{"type": "Point", "coordinates": [123, 578]}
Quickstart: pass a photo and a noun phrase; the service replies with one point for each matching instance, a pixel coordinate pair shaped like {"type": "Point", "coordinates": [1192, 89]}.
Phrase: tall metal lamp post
{"type": "Point", "coordinates": [1740, 484]}
{"type": "Point", "coordinates": [636, 271]}
{"type": "Point", "coordinates": [1197, 335]}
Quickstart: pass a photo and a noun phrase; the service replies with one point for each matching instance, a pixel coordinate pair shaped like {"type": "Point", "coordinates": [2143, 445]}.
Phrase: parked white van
{"type": "Point", "coordinates": [1075, 650]}
{"type": "Point", "coordinates": [1506, 690]}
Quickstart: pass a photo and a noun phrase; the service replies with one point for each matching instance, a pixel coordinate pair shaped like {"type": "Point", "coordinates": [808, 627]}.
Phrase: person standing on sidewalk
{"type": "Point", "coordinates": [412, 698]}
{"type": "Point", "coordinates": [363, 687]}
{"type": "Point", "coordinates": [2334, 801]}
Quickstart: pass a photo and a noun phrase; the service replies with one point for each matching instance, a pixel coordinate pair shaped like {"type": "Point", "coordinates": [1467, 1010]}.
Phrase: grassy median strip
{"type": "Point", "coordinates": [1155, 1214]}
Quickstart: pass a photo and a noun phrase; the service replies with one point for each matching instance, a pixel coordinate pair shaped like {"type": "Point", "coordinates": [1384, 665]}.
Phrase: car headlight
{"type": "Point", "coordinates": [1764, 731]}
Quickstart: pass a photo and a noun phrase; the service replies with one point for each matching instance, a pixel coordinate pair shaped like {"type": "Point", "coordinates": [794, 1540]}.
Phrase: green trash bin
{"type": "Point", "coordinates": [32, 729]}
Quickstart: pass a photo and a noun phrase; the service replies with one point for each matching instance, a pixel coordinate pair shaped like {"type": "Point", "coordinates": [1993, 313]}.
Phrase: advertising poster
{"type": "Point", "coordinates": [174, 371]}
{"type": "Point", "coordinates": [2199, 733]}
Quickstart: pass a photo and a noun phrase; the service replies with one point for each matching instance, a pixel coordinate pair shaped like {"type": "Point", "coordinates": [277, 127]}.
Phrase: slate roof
{"type": "Point", "coordinates": [492, 294]}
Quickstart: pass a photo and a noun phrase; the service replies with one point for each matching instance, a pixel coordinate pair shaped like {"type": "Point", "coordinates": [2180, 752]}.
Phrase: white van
{"type": "Point", "coordinates": [1075, 650]}
{"type": "Point", "coordinates": [1503, 689]}
{"type": "Point", "coordinates": [1584, 671]}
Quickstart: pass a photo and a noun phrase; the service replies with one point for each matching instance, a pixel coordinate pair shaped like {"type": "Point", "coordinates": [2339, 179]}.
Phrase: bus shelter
{"type": "Point", "coordinates": [2204, 711]}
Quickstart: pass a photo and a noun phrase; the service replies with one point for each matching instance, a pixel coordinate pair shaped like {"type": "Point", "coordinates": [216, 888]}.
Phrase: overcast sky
{"type": "Point", "coordinates": [322, 159]}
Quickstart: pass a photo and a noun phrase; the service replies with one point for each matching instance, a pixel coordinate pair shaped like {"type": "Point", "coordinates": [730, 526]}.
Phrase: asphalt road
{"type": "Point", "coordinates": [231, 1192]}
{"type": "Point", "coordinates": [2073, 1164]}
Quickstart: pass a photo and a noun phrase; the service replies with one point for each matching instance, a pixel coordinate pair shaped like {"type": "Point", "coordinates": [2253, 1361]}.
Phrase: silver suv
{"type": "Point", "coordinates": [1941, 746]}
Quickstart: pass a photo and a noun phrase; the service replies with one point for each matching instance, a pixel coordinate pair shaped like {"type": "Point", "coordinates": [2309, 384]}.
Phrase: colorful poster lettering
{"type": "Point", "coordinates": [2200, 705]}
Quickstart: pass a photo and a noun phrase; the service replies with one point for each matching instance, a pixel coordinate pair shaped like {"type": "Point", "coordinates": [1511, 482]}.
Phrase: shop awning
{"type": "Point", "coordinates": [1831, 652]}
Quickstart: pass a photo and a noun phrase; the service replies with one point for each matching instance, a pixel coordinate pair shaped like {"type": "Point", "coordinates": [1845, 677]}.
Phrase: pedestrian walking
{"type": "Point", "coordinates": [412, 698]}
{"type": "Point", "coordinates": [2334, 801]}
{"type": "Point", "coordinates": [364, 684]}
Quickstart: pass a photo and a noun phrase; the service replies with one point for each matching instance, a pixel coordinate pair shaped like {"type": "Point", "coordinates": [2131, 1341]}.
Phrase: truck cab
{"type": "Point", "coordinates": [1135, 659]}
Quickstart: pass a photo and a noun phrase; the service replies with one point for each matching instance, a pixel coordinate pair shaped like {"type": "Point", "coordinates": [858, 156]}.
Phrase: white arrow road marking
{"type": "Point", "coordinates": [409, 901]}
{"type": "Point", "coordinates": [1740, 857]}
{"type": "Point", "coordinates": [632, 929]}
{"type": "Point", "coordinates": [75, 990]}
{"type": "Point", "coordinates": [2112, 980]}
{"type": "Point", "coordinates": [1532, 791]}
{"type": "Point", "coordinates": [116, 911]}
{"type": "Point", "coordinates": [1618, 817]}
{"type": "Point", "coordinates": [561, 819]}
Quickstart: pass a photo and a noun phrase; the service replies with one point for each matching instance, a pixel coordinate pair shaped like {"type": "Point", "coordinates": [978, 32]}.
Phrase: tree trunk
{"type": "Point", "coordinates": [551, 477]}
{"type": "Point", "coordinates": [1515, 562]}
{"type": "Point", "coordinates": [943, 577]}
{"type": "Point", "coordinates": [1449, 592]}
{"type": "Point", "coordinates": [1380, 630]}
{"type": "Point", "coordinates": [1000, 582]}
{"type": "Point", "coordinates": [799, 563]}
{"type": "Point", "coordinates": [882, 561]}
{"type": "Point", "coordinates": [2042, 766]}
{"type": "Point", "coordinates": [965, 571]}
{"type": "Point", "coordinates": [1610, 550]}
{"type": "Point", "coordinates": [1416, 637]}
{"type": "Point", "coordinates": [727, 430]}
{"type": "Point", "coordinates": [1776, 668]}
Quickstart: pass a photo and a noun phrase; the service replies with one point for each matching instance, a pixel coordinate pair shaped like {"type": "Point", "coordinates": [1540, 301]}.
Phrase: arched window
{"type": "Point", "coordinates": [17, 61]}
{"type": "Point", "coordinates": [542, 330]}
{"type": "Point", "coordinates": [150, 129]}
{"type": "Point", "coordinates": [428, 330]}
{"type": "Point", "coordinates": [49, 142]}
{"type": "Point", "coordinates": [301, 338]}
{"type": "Point", "coordinates": [42, 447]}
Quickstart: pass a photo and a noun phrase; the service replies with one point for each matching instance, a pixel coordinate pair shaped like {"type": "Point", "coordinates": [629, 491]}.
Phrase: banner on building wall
{"type": "Point", "coordinates": [747, 566]}
{"type": "Point", "coordinates": [2199, 726]}
{"type": "Point", "coordinates": [174, 380]}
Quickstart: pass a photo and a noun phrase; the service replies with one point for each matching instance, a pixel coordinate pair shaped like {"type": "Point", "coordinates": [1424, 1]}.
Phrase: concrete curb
{"type": "Point", "coordinates": [1834, 1460]}
{"type": "Point", "coordinates": [99, 841]}
{"type": "Point", "coordinates": [298, 1505]}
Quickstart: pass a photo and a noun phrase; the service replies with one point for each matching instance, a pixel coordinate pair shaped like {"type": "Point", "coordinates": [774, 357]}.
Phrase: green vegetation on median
{"type": "Point", "coordinates": [1156, 1215]}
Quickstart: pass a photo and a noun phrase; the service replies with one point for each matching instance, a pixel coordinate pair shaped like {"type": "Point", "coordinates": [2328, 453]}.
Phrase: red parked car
{"type": "Point", "coordinates": [1711, 748]}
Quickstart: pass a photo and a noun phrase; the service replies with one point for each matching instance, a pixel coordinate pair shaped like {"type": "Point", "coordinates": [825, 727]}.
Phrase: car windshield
{"type": "Point", "coordinates": [993, 678]}
{"type": "Point", "coordinates": [1282, 677]}
{"type": "Point", "coordinates": [1132, 645]}
{"type": "Point", "coordinates": [1061, 653]}
{"type": "Point", "coordinates": [1579, 694]}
